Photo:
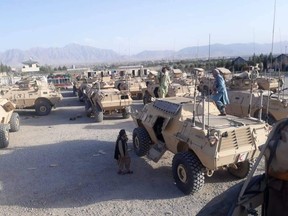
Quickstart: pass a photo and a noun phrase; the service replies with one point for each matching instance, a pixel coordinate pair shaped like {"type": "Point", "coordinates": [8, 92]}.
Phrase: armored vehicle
{"type": "Point", "coordinates": [102, 100]}
{"type": "Point", "coordinates": [269, 83]}
{"type": "Point", "coordinates": [181, 78]}
{"type": "Point", "coordinates": [133, 85]}
{"type": "Point", "coordinates": [32, 94]}
{"type": "Point", "coordinates": [81, 85]}
{"type": "Point", "coordinates": [246, 99]}
{"type": "Point", "coordinates": [9, 121]}
{"type": "Point", "coordinates": [174, 90]}
{"type": "Point", "coordinates": [274, 107]}
{"type": "Point", "coordinates": [202, 142]}
{"type": "Point", "coordinates": [206, 82]}
{"type": "Point", "coordinates": [264, 194]}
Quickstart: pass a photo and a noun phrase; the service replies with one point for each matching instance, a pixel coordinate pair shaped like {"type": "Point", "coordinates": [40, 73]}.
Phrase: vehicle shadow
{"type": "Point", "coordinates": [77, 173]}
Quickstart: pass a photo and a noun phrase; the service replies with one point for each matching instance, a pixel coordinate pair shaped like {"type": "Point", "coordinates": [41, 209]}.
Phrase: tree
{"type": "Point", "coordinates": [4, 68]}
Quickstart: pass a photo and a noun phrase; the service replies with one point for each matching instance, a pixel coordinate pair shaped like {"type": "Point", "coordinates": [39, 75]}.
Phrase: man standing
{"type": "Point", "coordinates": [121, 153]}
{"type": "Point", "coordinates": [164, 82]}
{"type": "Point", "coordinates": [220, 95]}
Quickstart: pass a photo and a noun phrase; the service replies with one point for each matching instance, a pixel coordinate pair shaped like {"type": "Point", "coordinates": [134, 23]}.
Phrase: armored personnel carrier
{"type": "Point", "coordinates": [206, 82]}
{"type": "Point", "coordinates": [133, 85]}
{"type": "Point", "coordinates": [81, 85]}
{"type": "Point", "coordinates": [9, 121]}
{"type": "Point", "coordinates": [174, 90]}
{"type": "Point", "coordinates": [247, 99]}
{"type": "Point", "coordinates": [103, 99]}
{"type": "Point", "coordinates": [32, 94]}
{"type": "Point", "coordinates": [269, 83]}
{"type": "Point", "coordinates": [202, 142]}
{"type": "Point", "coordinates": [181, 78]}
{"type": "Point", "coordinates": [263, 194]}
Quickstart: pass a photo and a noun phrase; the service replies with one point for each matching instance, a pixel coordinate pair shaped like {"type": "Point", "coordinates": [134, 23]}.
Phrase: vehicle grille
{"type": "Point", "coordinates": [236, 138]}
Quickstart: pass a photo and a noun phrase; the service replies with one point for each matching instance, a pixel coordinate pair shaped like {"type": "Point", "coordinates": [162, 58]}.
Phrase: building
{"type": "Point", "coordinates": [238, 63]}
{"type": "Point", "coordinates": [281, 63]}
{"type": "Point", "coordinates": [134, 70]}
{"type": "Point", "coordinates": [30, 66]}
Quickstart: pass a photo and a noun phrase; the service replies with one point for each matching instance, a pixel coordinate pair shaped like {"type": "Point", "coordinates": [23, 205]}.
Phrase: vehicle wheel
{"type": "Point", "coordinates": [188, 172]}
{"type": "Point", "coordinates": [80, 96]}
{"type": "Point", "coordinates": [126, 113]}
{"type": "Point", "coordinates": [88, 104]}
{"type": "Point", "coordinates": [14, 122]}
{"type": "Point", "coordinates": [119, 86]}
{"type": "Point", "coordinates": [141, 141]}
{"type": "Point", "coordinates": [139, 96]}
{"type": "Point", "coordinates": [98, 116]}
{"type": "Point", "coordinates": [43, 108]}
{"type": "Point", "coordinates": [4, 136]}
{"type": "Point", "coordinates": [146, 98]}
{"type": "Point", "coordinates": [242, 170]}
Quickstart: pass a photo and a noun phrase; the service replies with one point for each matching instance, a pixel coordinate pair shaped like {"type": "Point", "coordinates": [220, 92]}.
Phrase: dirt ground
{"type": "Point", "coordinates": [58, 166]}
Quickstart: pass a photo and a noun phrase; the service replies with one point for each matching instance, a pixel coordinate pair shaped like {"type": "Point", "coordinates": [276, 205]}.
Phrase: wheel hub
{"type": "Point", "coordinates": [17, 122]}
{"type": "Point", "coordinates": [6, 135]}
{"type": "Point", "coordinates": [43, 109]}
{"type": "Point", "coordinates": [136, 142]}
{"type": "Point", "coordinates": [181, 172]}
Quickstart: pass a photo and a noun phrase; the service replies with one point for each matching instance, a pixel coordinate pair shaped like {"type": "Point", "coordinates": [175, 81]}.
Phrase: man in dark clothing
{"type": "Point", "coordinates": [121, 154]}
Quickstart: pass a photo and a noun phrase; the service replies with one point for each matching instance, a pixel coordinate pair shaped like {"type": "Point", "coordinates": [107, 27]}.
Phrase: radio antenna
{"type": "Point", "coordinates": [271, 54]}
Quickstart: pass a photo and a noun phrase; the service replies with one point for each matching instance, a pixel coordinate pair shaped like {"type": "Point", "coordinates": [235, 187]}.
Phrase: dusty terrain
{"type": "Point", "coordinates": [58, 166]}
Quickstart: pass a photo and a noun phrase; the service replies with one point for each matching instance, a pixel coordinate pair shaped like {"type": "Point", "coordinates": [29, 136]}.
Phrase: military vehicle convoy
{"type": "Point", "coordinates": [10, 121]}
{"type": "Point", "coordinates": [102, 99]}
{"type": "Point", "coordinates": [32, 94]}
{"type": "Point", "coordinates": [202, 142]}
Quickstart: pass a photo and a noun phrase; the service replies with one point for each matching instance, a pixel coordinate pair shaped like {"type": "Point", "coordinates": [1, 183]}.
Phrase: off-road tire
{"type": "Point", "coordinates": [139, 96]}
{"type": "Point", "coordinates": [80, 96]}
{"type": "Point", "coordinates": [88, 107]}
{"type": "Point", "coordinates": [141, 141]}
{"type": "Point", "coordinates": [146, 98]}
{"type": "Point", "coordinates": [14, 122]}
{"type": "Point", "coordinates": [118, 86]}
{"type": "Point", "coordinates": [43, 108]}
{"type": "Point", "coordinates": [98, 115]}
{"type": "Point", "coordinates": [188, 172]}
{"type": "Point", "coordinates": [125, 113]}
{"type": "Point", "coordinates": [4, 136]}
{"type": "Point", "coordinates": [243, 169]}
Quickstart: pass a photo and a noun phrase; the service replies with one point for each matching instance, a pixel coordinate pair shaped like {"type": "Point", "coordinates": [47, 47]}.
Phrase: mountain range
{"type": "Point", "coordinates": [75, 54]}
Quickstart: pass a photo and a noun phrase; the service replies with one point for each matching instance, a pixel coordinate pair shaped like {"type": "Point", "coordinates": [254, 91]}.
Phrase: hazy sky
{"type": "Point", "coordinates": [131, 26]}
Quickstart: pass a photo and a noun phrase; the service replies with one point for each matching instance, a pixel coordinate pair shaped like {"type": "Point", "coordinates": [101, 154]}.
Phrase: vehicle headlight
{"type": "Point", "coordinates": [285, 103]}
{"type": "Point", "coordinates": [213, 138]}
